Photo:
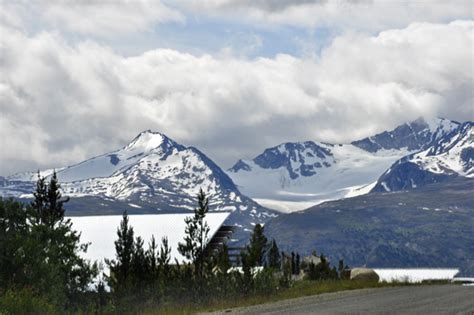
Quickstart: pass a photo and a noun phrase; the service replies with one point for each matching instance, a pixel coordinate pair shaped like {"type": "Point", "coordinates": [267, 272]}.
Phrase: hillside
{"type": "Point", "coordinates": [426, 227]}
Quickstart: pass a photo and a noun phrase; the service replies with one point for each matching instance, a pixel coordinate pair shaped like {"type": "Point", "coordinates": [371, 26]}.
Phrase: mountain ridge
{"type": "Point", "coordinates": [295, 175]}
{"type": "Point", "coordinates": [449, 156]}
{"type": "Point", "coordinates": [151, 174]}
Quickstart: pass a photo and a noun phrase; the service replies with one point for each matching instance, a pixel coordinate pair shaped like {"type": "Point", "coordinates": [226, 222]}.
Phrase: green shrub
{"type": "Point", "coordinates": [25, 302]}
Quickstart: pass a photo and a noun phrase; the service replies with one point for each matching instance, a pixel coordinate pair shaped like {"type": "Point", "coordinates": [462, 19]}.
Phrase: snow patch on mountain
{"type": "Point", "coordinates": [449, 156]}
{"type": "Point", "coordinates": [151, 172]}
{"type": "Point", "coordinates": [339, 171]}
{"type": "Point", "coordinates": [413, 136]}
{"type": "Point", "coordinates": [293, 176]}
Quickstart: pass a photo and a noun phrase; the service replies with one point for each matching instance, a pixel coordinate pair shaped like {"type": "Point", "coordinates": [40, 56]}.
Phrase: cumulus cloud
{"type": "Point", "coordinates": [61, 103]}
{"type": "Point", "coordinates": [97, 18]}
{"type": "Point", "coordinates": [368, 15]}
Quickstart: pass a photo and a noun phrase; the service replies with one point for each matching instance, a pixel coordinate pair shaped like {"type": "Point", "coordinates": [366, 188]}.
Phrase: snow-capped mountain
{"type": "Point", "coordinates": [449, 156]}
{"type": "Point", "coordinates": [412, 136]}
{"type": "Point", "coordinates": [294, 176]}
{"type": "Point", "coordinates": [152, 172]}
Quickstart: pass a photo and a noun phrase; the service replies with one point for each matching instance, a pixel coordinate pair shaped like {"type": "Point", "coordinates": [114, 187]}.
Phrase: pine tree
{"type": "Point", "coordinates": [140, 268]}
{"type": "Point", "coordinates": [293, 263]}
{"type": "Point", "coordinates": [164, 258]}
{"type": "Point", "coordinates": [52, 249]}
{"type": "Point", "coordinates": [257, 247]}
{"type": "Point", "coordinates": [152, 261]}
{"type": "Point", "coordinates": [196, 238]}
{"type": "Point", "coordinates": [47, 203]}
{"type": "Point", "coordinates": [274, 256]}
{"type": "Point", "coordinates": [298, 264]}
{"type": "Point", "coordinates": [55, 211]}
{"type": "Point", "coordinates": [121, 268]}
{"type": "Point", "coordinates": [223, 260]}
{"type": "Point", "coordinates": [40, 202]}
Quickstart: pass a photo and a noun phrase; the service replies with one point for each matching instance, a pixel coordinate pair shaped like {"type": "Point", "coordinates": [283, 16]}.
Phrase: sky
{"type": "Point", "coordinates": [230, 77]}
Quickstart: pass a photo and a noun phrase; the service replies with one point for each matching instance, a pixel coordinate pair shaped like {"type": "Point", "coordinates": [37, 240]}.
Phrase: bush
{"type": "Point", "coordinates": [25, 301]}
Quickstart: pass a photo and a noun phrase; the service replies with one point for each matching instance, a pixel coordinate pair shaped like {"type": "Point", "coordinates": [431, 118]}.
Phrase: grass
{"type": "Point", "coordinates": [299, 289]}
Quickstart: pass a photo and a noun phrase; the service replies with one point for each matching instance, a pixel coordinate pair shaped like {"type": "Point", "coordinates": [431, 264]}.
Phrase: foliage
{"type": "Point", "coordinates": [257, 248]}
{"type": "Point", "coordinates": [25, 301]}
{"type": "Point", "coordinates": [223, 260]}
{"type": "Point", "coordinates": [41, 270]}
{"type": "Point", "coordinates": [197, 231]}
{"type": "Point", "coordinates": [40, 251]}
{"type": "Point", "coordinates": [322, 271]}
{"type": "Point", "coordinates": [274, 260]}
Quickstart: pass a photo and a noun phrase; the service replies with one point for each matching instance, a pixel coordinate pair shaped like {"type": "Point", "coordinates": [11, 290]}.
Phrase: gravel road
{"type": "Point", "coordinates": [427, 299]}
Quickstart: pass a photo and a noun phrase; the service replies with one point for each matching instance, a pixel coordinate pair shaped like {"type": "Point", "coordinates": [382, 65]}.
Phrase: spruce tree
{"type": "Point", "coordinates": [140, 268]}
{"type": "Point", "coordinates": [48, 203]}
{"type": "Point", "coordinates": [55, 247]}
{"type": "Point", "coordinates": [121, 267]}
{"type": "Point", "coordinates": [223, 260]}
{"type": "Point", "coordinates": [40, 202]}
{"type": "Point", "coordinates": [257, 247]}
{"type": "Point", "coordinates": [293, 263]}
{"type": "Point", "coordinates": [152, 261]}
{"type": "Point", "coordinates": [164, 258]}
{"type": "Point", "coordinates": [298, 264]}
{"type": "Point", "coordinates": [196, 238]}
{"type": "Point", "coordinates": [274, 256]}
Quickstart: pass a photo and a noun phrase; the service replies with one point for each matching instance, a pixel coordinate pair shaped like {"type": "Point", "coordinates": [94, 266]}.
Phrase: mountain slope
{"type": "Point", "coordinates": [414, 136]}
{"type": "Point", "coordinates": [426, 227]}
{"type": "Point", "coordinates": [294, 176]}
{"type": "Point", "coordinates": [152, 173]}
{"type": "Point", "coordinates": [450, 156]}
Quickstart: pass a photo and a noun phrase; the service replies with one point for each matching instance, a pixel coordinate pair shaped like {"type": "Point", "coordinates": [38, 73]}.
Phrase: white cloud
{"type": "Point", "coordinates": [97, 18]}
{"type": "Point", "coordinates": [61, 102]}
{"type": "Point", "coordinates": [367, 15]}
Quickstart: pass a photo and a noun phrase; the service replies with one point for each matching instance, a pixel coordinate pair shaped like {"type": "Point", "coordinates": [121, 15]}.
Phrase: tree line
{"type": "Point", "coordinates": [41, 269]}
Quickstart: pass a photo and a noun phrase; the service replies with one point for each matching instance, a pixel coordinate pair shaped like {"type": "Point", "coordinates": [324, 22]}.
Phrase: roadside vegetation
{"type": "Point", "coordinates": [42, 272]}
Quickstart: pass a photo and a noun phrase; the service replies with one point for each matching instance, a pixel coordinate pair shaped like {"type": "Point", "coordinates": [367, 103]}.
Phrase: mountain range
{"type": "Point", "coordinates": [294, 176]}
{"type": "Point", "coordinates": [419, 213]}
{"type": "Point", "coordinates": [154, 174]}
{"type": "Point", "coordinates": [449, 156]}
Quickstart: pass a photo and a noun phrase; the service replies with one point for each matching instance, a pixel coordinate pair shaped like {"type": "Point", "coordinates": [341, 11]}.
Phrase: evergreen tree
{"type": "Point", "coordinates": [47, 203]}
{"type": "Point", "coordinates": [164, 258]}
{"type": "Point", "coordinates": [15, 233]}
{"type": "Point", "coordinates": [298, 264]}
{"type": "Point", "coordinates": [257, 247]}
{"type": "Point", "coordinates": [152, 261]}
{"type": "Point", "coordinates": [60, 244]}
{"type": "Point", "coordinates": [293, 263]}
{"type": "Point", "coordinates": [40, 202]}
{"type": "Point", "coordinates": [121, 268]}
{"type": "Point", "coordinates": [321, 271]}
{"type": "Point", "coordinates": [223, 260]}
{"type": "Point", "coordinates": [285, 280]}
{"type": "Point", "coordinates": [140, 267]}
{"type": "Point", "coordinates": [274, 256]}
{"type": "Point", "coordinates": [40, 250]}
{"type": "Point", "coordinates": [196, 238]}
